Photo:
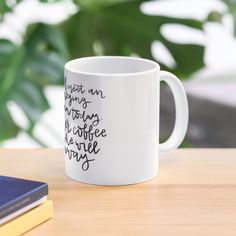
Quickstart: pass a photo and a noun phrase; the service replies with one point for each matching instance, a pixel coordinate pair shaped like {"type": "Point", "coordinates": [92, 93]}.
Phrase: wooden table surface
{"type": "Point", "coordinates": [194, 194]}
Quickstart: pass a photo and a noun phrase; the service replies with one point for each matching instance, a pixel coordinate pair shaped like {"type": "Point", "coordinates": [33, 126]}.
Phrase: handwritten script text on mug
{"type": "Point", "coordinates": [82, 128]}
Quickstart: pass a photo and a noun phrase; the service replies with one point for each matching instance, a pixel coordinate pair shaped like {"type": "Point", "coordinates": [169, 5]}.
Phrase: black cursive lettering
{"type": "Point", "coordinates": [96, 92]}
{"type": "Point", "coordinates": [88, 132]}
{"type": "Point", "coordinates": [79, 158]}
{"type": "Point", "coordinates": [82, 140]}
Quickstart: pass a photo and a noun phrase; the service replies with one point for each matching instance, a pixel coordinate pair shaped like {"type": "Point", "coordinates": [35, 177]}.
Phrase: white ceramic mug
{"type": "Point", "coordinates": [112, 119]}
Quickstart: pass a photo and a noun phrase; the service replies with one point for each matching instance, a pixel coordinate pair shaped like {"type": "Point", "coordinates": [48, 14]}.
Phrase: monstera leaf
{"type": "Point", "coordinates": [101, 27]}
{"type": "Point", "coordinates": [24, 72]}
{"type": "Point", "coordinates": [120, 28]}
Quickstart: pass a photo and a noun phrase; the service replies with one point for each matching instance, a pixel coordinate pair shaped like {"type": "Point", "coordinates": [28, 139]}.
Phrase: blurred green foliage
{"type": "Point", "coordinates": [101, 27]}
{"type": "Point", "coordinates": [232, 10]}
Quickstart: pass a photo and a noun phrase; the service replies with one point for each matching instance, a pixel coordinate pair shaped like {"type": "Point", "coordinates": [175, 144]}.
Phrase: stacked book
{"type": "Point", "coordinates": [23, 205]}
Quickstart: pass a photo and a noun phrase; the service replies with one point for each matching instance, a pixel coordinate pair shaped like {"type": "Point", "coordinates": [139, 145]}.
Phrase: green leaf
{"type": "Point", "coordinates": [31, 100]}
{"type": "Point", "coordinates": [79, 34]}
{"type": "Point", "coordinates": [8, 128]}
{"type": "Point", "coordinates": [7, 6]}
{"type": "Point", "coordinates": [101, 27]}
{"type": "Point", "coordinates": [26, 70]}
{"type": "Point", "coordinates": [4, 7]}
{"type": "Point", "coordinates": [49, 1]}
{"type": "Point", "coordinates": [122, 29]}
{"type": "Point", "coordinates": [215, 16]}
{"type": "Point", "coordinates": [91, 5]}
{"type": "Point", "coordinates": [189, 58]}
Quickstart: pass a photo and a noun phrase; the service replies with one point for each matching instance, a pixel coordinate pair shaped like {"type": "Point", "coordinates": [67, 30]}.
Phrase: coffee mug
{"type": "Point", "coordinates": [112, 119]}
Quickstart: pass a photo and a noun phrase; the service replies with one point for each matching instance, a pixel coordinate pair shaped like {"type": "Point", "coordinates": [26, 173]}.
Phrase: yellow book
{"type": "Point", "coordinates": [28, 220]}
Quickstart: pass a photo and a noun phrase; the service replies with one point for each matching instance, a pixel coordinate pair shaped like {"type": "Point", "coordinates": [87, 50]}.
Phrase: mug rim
{"type": "Point", "coordinates": [155, 66]}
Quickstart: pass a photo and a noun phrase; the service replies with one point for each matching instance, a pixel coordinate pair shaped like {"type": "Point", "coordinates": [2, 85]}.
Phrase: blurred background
{"type": "Point", "coordinates": [193, 39]}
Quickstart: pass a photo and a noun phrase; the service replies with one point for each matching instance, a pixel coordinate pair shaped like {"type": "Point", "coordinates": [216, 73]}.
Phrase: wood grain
{"type": "Point", "coordinates": [194, 194]}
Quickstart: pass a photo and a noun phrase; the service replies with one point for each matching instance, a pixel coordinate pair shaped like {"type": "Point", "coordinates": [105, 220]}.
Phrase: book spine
{"type": "Point", "coordinates": [25, 200]}
{"type": "Point", "coordinates": [27, 221]}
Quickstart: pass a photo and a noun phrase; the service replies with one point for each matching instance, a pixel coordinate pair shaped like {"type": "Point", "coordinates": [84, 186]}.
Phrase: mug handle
{"type": "Point", "coordinates": [181, 111]}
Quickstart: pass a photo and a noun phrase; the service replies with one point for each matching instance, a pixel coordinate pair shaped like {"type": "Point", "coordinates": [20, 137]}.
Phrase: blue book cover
{"type": "Point", "coordinates": [17, 193]}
